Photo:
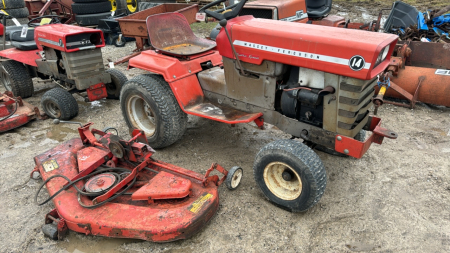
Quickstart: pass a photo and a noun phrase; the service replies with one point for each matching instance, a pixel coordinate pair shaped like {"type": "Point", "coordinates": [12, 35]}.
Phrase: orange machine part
{"type": "Point", "coordinates": [435, 88]}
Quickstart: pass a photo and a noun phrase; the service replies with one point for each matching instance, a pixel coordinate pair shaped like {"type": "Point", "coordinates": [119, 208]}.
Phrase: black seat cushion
{"type": "Point", "coordinates": [10, 29]}
{"type": "Point", "coordinates": [318, 8]}
{"type": "Point", "coordinates": [15, 35]}
{"type": "Point", "coordinates": [24, 45]}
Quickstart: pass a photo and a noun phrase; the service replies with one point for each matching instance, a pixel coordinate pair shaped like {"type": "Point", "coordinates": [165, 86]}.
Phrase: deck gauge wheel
{"type": "Point", "coordinates": [234, 178]}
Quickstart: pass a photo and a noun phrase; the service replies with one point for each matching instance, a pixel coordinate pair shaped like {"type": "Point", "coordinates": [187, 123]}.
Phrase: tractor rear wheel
{"type": "Point", "coordinates": [290, 175]}
{"type": "Point", "coordinates": [148, 104]}
{"type": "Point", "coordinates": [15, 77]}
{"type": "Point", "coordinates": [118, 79]}
{"type": "Point", "coordinates": [58, 103]}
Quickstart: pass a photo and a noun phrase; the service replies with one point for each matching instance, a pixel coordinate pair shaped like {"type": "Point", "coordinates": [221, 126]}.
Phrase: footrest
{"type": "Point", "coordinates": [222, 113]}
{"type": "Point", "coordinates": [163, 186]}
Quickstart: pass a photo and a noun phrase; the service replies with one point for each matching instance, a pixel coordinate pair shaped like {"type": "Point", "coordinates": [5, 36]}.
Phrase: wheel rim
{"type": "Point", "coordinates": [120, 41]}
{"type": "Point", "coordinates": [141, 115]}
{"type": "Point", "coordinates": [52, 109]}
{"type": "Point", "coordinates": [113, 5]}
{"type": "Point", "coordinates": [283, 189]}
{"type": "Point", "coordinates": [237, 176]}
{"type": "Point", "coordinates": [6, 80]}
{"type": "Point", "coordinates": [132, 5]}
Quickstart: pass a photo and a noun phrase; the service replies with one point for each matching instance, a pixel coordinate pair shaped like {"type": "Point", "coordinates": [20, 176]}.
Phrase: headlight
{"type": "Point", "coordinates": [382, 56]}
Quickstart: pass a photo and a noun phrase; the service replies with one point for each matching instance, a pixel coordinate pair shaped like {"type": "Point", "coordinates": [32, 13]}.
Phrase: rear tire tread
{"type": "Point", "coordinates": [174, 120]}
{"type": "Point", "coordinates": [22, 85]}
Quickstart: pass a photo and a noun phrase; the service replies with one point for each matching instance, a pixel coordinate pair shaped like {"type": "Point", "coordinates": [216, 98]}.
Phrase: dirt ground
{"type": "Point", "coordinates": [394, 199]}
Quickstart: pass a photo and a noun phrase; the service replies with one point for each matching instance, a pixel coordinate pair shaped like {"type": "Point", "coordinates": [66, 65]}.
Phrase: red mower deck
{"type": "Point", "coordinates": [14, 112]}
{"type": "Point", "coordinates": [162, 202]}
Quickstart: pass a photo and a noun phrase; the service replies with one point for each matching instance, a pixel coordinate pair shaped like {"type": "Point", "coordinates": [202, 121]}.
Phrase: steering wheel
{"type": "Point", "coordinates": [235, 10]}
{"type": "Point", "coordinates": [55, 20]}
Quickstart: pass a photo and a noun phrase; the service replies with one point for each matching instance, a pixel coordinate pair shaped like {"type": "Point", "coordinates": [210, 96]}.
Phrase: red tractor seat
{"type": "Point", "coordinates": [170, 33]}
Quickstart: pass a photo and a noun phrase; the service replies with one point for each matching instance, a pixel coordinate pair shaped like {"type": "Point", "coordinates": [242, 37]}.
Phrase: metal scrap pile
{"type": "Point", "coordinates": [431, 26]}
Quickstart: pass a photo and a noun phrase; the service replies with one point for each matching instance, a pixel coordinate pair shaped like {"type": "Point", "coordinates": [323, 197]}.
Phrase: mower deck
{"type": "Point", "coordinates": [153, 219]}
{"type": "Point", "coordinates": [21, 115]}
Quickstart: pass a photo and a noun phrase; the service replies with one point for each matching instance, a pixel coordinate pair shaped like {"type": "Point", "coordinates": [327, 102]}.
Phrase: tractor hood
{"type": "Point", "coordinates": [340, 51]}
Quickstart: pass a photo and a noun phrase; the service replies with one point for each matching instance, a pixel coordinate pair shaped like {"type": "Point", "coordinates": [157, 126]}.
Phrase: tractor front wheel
{"type": "Point", "coordinates": [290, 175]}
{"type": "Point", "coordinates": [58, 103]}
{"type": "Point", "coordinates": [118, 79]}
{"type": "Point", "coordinates": [148, 104]}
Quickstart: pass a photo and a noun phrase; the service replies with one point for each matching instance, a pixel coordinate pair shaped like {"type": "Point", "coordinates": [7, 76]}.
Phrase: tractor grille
{"type": "Point", "coordinates": [257, 13]}
{"type": "Point", "coordinates": [83, 63]}
{"type": "Point", "coordinates": [353, 105]}
{"type": "Point", "coordinates": [85, 67]}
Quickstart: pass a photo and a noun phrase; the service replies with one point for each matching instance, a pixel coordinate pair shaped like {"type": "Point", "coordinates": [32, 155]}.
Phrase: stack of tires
{"type": "Point", "coordinates": [120, 6]}
{"type": "Point", "coordinates": [89, 12]}
{"type": "Point", "coordinates": [16, 9]}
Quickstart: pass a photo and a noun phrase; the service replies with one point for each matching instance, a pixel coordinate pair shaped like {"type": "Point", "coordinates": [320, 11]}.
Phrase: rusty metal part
{"type": "Point", "coordinates": [174, 36]}
{"type": "Point", "coordinates": [14, 112]}
{"type": "Point", "coordinates": [186, 199]}
{"type": "Point", "coordinates": [420, 84]}
{"type": "Point", "coordinates": [355, 148]}
{"type": "Point", "coordinates": [53, 217]}
{"type": "Point", "coordinates": [101, 182]}
{"type": "Point", "coordinates": [442, 11]}
{"type": "Point", "coordinates": [135, 25]}
{"type": "Point", "coordinates": [126, 58]}
{"type": "Point", "coordinates": [62, 8]}
{"type": "Point", "coordinates": [429, 55]}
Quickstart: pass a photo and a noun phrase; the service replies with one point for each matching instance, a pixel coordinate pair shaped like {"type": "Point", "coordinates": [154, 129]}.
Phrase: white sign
{"type": "Point", "coordinates": [200, 16]}
{"type": "Point", "coordinates": [442, 72]}
{"type": "Point", "coordinates": [24, 32]}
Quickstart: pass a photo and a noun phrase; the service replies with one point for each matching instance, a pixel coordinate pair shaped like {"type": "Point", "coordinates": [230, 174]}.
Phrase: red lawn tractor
{"type": "Point", "coordinates": [70, 56]}
{"type": "Point", "coordinates": [313, 82]}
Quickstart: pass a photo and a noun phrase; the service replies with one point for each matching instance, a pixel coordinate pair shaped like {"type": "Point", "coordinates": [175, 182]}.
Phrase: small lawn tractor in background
{"type": "Point", "coordinates": [103, 185]}
{"type": "Point", "coordinates": [68, 55]}
{"type": "Point", "coordinates": [291, 75]}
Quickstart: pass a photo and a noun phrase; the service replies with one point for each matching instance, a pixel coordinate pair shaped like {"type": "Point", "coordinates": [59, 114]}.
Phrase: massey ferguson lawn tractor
{"type": "Point", "coordinates": [313, 82]}
{"type": "Point", "coordinates": [70, 56]}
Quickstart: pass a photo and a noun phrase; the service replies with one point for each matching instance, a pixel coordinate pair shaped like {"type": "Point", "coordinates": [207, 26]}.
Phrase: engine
{"type": "Point", "coordinates": [302, 96]}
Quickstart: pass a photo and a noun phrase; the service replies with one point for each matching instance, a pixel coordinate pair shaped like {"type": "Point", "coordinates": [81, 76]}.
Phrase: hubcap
{"type": "Point", "coordinates": [113, 5]}
{"type": "Point", "coordinates": [236, 178]}
{"type": "Point", "coordinates": [282, 181]}
{"type": "Point", "coordinates": [132, 5]}
{"type": "Point", "coordinates": [141, 115]}
{"type": "Point", "coordinates": [52, 109]}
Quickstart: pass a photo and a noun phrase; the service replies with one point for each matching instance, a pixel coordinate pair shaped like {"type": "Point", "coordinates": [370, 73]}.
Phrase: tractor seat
{"type": "Point", "coordinates": [170, 33]}
{"type": "Point", "coordinates": [26, 43]}
{"type": "Point", "coordinates": [318, 8]}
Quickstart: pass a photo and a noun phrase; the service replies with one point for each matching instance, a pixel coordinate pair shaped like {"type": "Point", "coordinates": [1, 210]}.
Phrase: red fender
{"type": "Point", "coordinates": [181, 75]}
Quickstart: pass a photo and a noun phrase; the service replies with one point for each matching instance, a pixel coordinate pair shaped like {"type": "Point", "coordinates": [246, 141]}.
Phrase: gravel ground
{"type": "Point", "coordinates": [394, 199]}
